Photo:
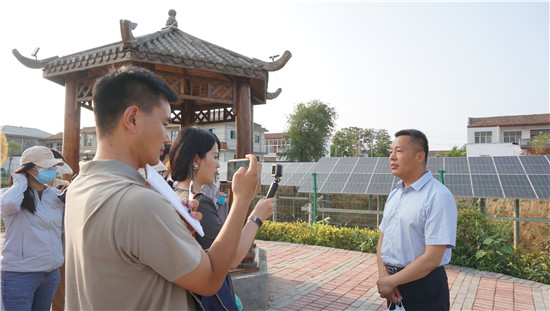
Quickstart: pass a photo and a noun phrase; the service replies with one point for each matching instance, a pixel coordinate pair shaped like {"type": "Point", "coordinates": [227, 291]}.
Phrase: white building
{"type": "Point", "coordinates": [227, 134]}
{"type": "Point", "coordinates": [26, 137]}
{"type": "Point", "coordinates": [275, 144]}
{"type": "Point", "coordinates": [505, 135]}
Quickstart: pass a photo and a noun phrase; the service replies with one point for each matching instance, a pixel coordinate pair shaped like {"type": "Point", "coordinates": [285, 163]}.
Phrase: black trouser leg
{"type": "Point", "coordinates": [428, 293]}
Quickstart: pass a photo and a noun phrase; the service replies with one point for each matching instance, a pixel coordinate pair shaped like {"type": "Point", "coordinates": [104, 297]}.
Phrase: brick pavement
{"type": "Point", "coordinates": [304, 277]}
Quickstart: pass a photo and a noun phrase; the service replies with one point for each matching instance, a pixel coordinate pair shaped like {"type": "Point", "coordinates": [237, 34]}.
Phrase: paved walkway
{"type": "Point", "coordinates": [304, 277]}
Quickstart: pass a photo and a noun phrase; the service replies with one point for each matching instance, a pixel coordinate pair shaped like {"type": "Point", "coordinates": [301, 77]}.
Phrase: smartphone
{"type": "Point", "coordinates": [234, 165]}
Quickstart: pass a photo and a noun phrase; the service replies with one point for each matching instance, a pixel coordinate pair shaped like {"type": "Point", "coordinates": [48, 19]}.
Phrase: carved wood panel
{"type": "Point", "coordinates": [214, 115]}
{"type": "Point", "coordinates": [84, 93]}
{"type": "Point", "coordinates": [200, 90]}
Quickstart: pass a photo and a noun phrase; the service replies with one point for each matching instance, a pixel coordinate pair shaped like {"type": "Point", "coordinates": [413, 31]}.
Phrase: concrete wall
{"type": "Point", "coordinates": [504, 149]}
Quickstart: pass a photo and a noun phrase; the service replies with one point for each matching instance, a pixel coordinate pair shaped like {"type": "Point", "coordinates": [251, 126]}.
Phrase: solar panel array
{"type": "Point", "coordinates": [516, 177]}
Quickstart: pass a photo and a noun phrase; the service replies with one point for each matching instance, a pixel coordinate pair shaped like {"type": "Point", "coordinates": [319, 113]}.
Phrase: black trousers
{"type": "Point", "coordinates": [428, 293]}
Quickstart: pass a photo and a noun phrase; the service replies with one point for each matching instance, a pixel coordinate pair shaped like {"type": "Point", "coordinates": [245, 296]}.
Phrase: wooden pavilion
{"type": "Point", "coordinates": [214, 84]}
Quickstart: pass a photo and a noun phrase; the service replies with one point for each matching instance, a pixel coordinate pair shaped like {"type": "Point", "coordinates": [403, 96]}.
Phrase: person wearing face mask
{"type": "Point", "coordinates": [33, 216]}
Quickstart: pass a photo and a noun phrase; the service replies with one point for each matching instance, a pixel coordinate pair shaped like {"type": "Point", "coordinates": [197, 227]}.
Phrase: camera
{"type": "Point", "coordinates": [277, 170]}
{"type": "Point", "coordinates": [276, 173]}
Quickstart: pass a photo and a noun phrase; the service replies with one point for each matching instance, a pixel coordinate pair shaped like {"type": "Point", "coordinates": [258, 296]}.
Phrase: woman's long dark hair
{"type": "Point", "coordinates": [28, 195]}
{"type": "Point", "coordinates": [191, 141]}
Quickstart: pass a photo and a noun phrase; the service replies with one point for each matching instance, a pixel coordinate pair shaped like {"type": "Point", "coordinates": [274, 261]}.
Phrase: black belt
{"type": "Point", "coordinates": [393, 269]}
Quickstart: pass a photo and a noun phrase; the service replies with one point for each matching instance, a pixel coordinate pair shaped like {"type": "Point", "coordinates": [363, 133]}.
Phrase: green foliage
{"type": "Point", "coordinates": [321, 234]}
{"type": "Point", "coordinates": [355, 141]}
{"type": "Point", "coordinates": [309, 127]}
{"type": "Point", "coordinates": [480, 244]}
{"type": "Point", "coordinates": [456, 152]}
{"type": "Point", "coordinates": [485, 245]}
{"type": "Point", "coordinates": [540, 144]}
{"type": "Point", "coordinates": [532, 265]}
{"type": "Point", "coordinates": [14, 148]}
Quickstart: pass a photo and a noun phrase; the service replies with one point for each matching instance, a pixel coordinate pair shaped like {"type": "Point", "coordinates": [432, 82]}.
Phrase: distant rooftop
{"type": "Point", "coordinates": [10, 130]}
{"type": "Point", "coordinates": [57, 136]}
{"type": "Point", "coordinates": [529, 119]}
{"type": "Point", "coordinates": [274, 135]}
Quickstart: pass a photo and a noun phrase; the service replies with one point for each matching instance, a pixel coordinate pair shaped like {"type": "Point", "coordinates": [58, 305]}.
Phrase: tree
{"type": "Point", "coordinates": [348, 142]}
{"type": "Point", "coordinates": [309, 127]}
{"type": "Point", "coordinates": [356, 142]}
{"type": "Point", "coordinates": [381, 145]}
{"type": "Point", "coordinates": [14, 149]}
{"type": "Point", "coordinates": [540, 144]}
{"type": "Point", "coordinates": [456, 152]}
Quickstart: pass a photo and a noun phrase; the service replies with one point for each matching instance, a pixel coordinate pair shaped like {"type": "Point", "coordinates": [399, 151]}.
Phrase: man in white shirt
{"type": "Point", "coordinates": [418, 230]}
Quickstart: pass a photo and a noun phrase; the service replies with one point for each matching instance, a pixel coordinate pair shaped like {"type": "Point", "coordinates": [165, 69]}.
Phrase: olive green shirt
{"type": "Point", "coordinates": [125, 243]}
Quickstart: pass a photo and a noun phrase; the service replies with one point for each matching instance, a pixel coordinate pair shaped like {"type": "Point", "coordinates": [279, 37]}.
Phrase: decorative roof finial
{"type": "Point", "coordinates": [171, 21]}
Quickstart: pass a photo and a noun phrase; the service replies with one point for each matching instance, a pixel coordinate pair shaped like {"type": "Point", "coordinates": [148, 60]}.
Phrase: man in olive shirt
{"type": "Point", "coordinates": [127, 248]}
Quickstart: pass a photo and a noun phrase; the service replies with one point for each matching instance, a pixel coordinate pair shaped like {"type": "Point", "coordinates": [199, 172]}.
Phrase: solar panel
{"type": "Point", "coordinates": [459, 185]}
{"type": "Point", "coordinates": [434, 165]}
{"type": "Point", "coordinates": [456, 165]}
{"type": "Point", "coordinates": [486, 186]}
{"type": "Point", "coordinates": [482, 165]}
{"type": "Point", "coordinates": [380, 184]}
{"type": "Point", "coordinates": [541, 184]}
{"type": "Point", "coordinates": [334, 183]}
{"type": "Point", "coordinates": [365, 165]}
{"type": "Point", "coordinates": [383, 166]}
{"type": "Point", "coordinates": [305, 171]}
{"type": "Point", "coordinates": [508, 165]}
{"type": "Point", "coordinates": [357, 183]}
{"type": "Point", "coordinates": [345, 165]}
{"type": "Point", "coordinates": [266, 174]}
{"type": "Point", "coordinates": [517, 187]}
{"type": "Point", "coordinates": [325, 165]}
{"type": "Point", "coordinates": [307, 182]}
{"type": "Point", "coordinates": [523, 177]}
{"type": "Point", "coordinates": [536, 164]}
{"type": "Point", "coordinates": [339, 175]}
{"type": "Point", "coordinates": [289, 168]}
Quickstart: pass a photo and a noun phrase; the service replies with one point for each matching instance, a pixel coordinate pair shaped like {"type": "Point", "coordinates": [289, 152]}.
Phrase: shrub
{"type": "Point", "coordinates": [321, 234]}
{"type": "Point", "coordinates": [480, 244]}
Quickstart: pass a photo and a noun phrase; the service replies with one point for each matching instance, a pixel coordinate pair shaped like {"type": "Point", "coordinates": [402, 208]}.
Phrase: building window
{"type": "Point", "coordinates": [233, 135]}
{"type": "Point", "coordinates": [539, 132]}
{"type": "Point", "coordinates": [49, 145]}
{"type": "Point", "coordinates": [87, 139]}
{"type": "Point", "coordinates": [59, 146]}
{"type": "Point", "coordinates": [257, 139]}
{"type": "Point", "coordinates": [213, 131]}
{"type": "Point", "coordinates": [483, 137]}
{"type": "Point", "coordinates": [512, 137]}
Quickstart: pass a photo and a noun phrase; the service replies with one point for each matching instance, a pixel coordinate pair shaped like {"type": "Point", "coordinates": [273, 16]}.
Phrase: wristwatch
{"type": "Point", "coordinates": [257, 220]}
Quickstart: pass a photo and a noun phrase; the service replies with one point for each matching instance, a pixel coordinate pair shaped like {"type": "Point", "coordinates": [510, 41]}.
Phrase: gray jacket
{"type": "Point", "coordinates": [32, 242]}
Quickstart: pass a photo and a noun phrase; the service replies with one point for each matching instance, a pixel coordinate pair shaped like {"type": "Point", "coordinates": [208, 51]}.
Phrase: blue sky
{"type": "Point", "coordinates": [391, 65]}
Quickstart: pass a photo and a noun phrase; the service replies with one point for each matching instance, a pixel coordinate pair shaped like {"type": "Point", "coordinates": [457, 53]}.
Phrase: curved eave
{"type": "Point", "coordinates": [32, 63]}
{"type": "Point", "coordinates": [273, 95]}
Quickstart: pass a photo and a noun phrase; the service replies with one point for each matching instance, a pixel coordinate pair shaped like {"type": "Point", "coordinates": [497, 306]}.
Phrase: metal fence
{"type": "Point", "coordinates": [530, 219]}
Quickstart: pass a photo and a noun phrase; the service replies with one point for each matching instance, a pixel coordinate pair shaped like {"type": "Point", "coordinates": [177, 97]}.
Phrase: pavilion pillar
{"type": "Point", "coordinates": [243, 118]}
{"type": "Point", "coordinates": [187, 114]}
{"type": "Point", "coordinates": [71, 131]}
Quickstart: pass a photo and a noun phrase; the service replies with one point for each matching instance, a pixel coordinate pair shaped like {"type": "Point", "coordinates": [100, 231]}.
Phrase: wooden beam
{"type": "Point", "coordinates": [207, 99]}
{"type": "Point", "coordinates": [243, 118]}
{"type": "Point", "coordinates": [71, 131]}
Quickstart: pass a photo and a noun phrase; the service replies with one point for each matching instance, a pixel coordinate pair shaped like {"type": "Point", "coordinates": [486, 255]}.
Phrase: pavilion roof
{"type": "Point", "coordinates": [170, 46]}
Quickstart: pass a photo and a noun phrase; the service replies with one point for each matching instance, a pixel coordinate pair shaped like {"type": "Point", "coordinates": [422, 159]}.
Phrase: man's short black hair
{"type": "Point", "coordinates": [123, 87]}
{"type": "Point", "coordinates": [418, 139]}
